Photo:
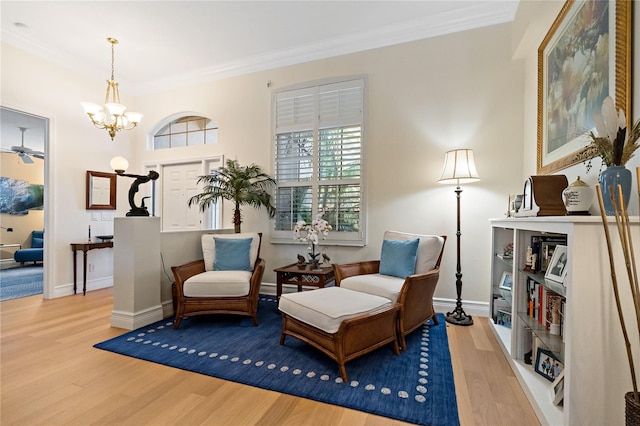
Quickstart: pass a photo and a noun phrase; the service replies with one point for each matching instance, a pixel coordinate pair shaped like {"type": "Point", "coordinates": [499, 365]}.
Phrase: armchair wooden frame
{"type": "Point", "coordinates": [236, 305]}
{"type": "Point", "coordinates": [415, 298]}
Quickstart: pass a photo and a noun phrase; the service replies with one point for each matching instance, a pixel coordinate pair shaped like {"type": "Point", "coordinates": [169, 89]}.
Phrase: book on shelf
{"type": "Point", "coordinates": [542, 246]}
{"type": "Point", "coordinates": [545, 306]}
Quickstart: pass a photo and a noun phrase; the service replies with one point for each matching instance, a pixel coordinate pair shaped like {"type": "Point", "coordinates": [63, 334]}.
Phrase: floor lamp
{"type": "Point", "coordinates": [459, 167]}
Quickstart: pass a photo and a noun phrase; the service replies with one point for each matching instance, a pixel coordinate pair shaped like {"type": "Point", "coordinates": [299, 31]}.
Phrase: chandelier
{"type": "Point", "coordinates": [112, 115]}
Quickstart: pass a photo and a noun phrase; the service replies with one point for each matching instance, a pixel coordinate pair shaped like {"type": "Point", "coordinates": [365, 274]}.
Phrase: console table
{"type": "Point", "coordinates": [85, 247]}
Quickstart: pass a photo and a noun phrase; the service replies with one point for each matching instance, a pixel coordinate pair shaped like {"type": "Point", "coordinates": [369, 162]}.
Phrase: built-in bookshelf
{"type": "Point", "coordinates": [572, 322]}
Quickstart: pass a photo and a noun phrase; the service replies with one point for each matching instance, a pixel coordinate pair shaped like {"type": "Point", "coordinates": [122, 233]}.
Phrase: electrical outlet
{"type": "Point", "coordinates": [92, 267]}
{"type": "Point", "coordinates": [108, 216]}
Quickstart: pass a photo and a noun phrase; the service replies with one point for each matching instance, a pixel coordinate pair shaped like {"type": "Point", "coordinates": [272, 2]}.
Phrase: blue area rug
{"type": "Point", "coordinates": [21, 282]}
{"type": "Point", "coordinates": [415, 387]}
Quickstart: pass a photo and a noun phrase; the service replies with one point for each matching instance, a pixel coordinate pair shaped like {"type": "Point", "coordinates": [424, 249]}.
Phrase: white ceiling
{"type": "Point", "coordinates": [168, 43]}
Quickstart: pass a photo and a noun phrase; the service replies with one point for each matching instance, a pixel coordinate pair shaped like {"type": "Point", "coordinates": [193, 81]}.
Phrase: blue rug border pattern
{"type": "Point", "coordinates": [414, 402]}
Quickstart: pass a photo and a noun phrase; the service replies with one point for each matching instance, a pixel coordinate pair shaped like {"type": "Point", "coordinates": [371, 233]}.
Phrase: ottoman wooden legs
{"type": "Point", "coordinates": [355, 337]}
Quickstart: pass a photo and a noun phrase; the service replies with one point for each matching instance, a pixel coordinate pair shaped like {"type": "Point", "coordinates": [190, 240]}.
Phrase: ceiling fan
{"type": "Point", "coordinates": [23, 152]}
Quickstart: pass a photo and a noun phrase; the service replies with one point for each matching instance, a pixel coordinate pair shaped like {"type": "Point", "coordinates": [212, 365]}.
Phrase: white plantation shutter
{"type": "Point", "coordinates": [318, 143]}
{"type": "Point", "coordinates": [294, 110]}
{"type": "Point", "coordinates": [341, 104]}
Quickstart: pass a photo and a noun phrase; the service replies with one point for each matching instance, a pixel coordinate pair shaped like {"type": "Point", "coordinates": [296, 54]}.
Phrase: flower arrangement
{"type": "Point", "coordinates": [613, 143]}
{"type": "Point", "coordinates": [312, 232]}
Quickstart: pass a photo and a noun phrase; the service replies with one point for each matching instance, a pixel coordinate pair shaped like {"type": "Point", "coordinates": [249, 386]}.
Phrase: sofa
{"type": "Point", "coordinates": [33, 254]}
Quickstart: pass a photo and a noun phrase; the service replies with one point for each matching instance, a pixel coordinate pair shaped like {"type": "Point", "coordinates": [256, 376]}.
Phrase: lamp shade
{"type": "Point", "coordinates": [459, 167]}
{"type": "Point", "coordinates": [119, 164]}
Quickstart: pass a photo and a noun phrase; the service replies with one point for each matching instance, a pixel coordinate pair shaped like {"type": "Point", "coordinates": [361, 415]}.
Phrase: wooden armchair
{"type": "Point", "coordinates": [226, 281]}
{"type": "Point", "coordinates": [414, 293]}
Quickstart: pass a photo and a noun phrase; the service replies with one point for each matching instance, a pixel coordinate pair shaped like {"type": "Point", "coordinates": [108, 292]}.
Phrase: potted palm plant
{"type": "Point", "coordinates": [244, 185]}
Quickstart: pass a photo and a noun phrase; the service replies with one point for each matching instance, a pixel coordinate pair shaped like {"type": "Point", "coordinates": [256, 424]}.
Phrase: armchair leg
{"type": "Point", "coordinates": [176, 322]}
{"type": "Point", "coordinates": [403, 343]}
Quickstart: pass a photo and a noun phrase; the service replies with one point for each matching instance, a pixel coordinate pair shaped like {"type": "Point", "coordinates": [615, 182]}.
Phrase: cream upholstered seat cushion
{"type": "Point", "coordinates": [221, 283]}
{"type": "Point", "coordinates": [429, 249]}
{"type": "Point", "coordinates": [327, 308]}
{"type": "Point", "coordinates": [209, 247]}
{"type": "Point", "coordinates": [379, 285]}
{"type": "Point", "coordinates": [218, 284]}
{"type": "Point", "coordinates": [387, 286]}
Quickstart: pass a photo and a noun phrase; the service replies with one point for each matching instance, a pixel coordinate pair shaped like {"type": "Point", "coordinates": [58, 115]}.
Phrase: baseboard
{"type": "Point", "coordinates": [167, 309]}
{"type": "Point", "coordinates": [67, 289]}
{"type": "Point", "coordinates": [471, 307]}
{"type": "Point", "coordinates": [133, 320]}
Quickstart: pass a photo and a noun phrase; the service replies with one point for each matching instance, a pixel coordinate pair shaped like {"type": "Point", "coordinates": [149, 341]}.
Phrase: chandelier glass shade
{"type": "Point", "coordinates": [111, 116]}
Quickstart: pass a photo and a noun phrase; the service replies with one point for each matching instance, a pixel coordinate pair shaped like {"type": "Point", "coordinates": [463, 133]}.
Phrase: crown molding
{"type": "Point", "coordinates": [464, 17]}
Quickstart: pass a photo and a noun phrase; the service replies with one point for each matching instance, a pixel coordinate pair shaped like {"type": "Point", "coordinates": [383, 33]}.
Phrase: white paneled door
{"type": "Point", "coordinates": [179, 183]}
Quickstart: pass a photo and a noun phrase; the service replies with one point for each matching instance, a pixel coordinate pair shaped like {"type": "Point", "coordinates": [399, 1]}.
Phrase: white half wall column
{"type": "Point", "coordinates": [137, 272]}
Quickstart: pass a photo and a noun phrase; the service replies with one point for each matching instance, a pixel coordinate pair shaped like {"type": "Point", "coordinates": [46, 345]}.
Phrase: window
{"type": "Point", "coordinates": [186, 131]}
{"type": "Point", "coordinates": [318, 143]}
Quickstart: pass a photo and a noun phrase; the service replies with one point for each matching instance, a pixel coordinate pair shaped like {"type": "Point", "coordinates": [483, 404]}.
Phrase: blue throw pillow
{"type": "Point", "coordinates": [398, 258]}
{"type": "Point", "coordinates": [232, 254]}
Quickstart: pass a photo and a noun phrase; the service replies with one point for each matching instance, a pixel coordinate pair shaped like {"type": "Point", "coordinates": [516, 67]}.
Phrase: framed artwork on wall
{"type": "Point", "coordinates": [585, 57]}
{"type": "Point", "coordinates": [17, 196]}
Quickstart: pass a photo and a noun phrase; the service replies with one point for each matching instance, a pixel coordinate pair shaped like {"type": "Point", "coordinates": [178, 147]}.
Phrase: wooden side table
{"type": "Point", "coordinates": [85, 247]}
{"type": "Point", "coordinates": [294, 274]}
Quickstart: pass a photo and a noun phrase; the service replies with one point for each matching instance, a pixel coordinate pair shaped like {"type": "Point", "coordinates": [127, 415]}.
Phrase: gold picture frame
{"type": "Point", "coordinates": [567, 96]}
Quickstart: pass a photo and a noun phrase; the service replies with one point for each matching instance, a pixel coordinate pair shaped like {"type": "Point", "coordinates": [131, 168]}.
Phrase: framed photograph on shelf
{"type": "Point", "coordinates": [506, 282]}
{"type": "Point", "coordinates": [586, 35]}
{"type": "Point", "coordinates": [547, 365]}
{"type": "Point", "coordinates": [557, 389]}
{"type": "Point", "coordinates": [557, 269]}
{"type": "Point", "coordinates": [504, 319]}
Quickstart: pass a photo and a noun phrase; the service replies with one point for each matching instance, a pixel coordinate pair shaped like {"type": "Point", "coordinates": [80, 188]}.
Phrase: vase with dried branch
{"type": "Point", "coordinates": [615, 144]}
{"type": "Point", "coordinates": [632, 399]}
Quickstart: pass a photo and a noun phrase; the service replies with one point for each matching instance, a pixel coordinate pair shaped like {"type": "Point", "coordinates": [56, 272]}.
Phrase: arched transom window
{"type": "Point", "coordinates": [186, 131]}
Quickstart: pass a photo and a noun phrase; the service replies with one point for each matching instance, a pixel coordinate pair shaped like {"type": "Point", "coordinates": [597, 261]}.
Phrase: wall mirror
{"type": "Point", "coordinates": [101, 190]}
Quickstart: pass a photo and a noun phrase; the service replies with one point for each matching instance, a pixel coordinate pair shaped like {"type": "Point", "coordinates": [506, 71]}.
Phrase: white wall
{"type": "Point", "coordinates": [424, 98]}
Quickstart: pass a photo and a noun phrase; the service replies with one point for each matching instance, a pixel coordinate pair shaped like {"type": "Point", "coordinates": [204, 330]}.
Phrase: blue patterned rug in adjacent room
{"type": "Point", "coordinates": [415, 387]}
{"type": "Point", "coordinates": [20, 282]}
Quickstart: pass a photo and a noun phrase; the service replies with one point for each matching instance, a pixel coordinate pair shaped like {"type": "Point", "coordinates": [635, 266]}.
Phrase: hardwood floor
{"type": "Point", "coordinates": [51, 375]}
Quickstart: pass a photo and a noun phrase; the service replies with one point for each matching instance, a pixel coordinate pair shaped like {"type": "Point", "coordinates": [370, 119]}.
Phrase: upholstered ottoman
{"type": "Point", "coordinates": [342, 323]}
